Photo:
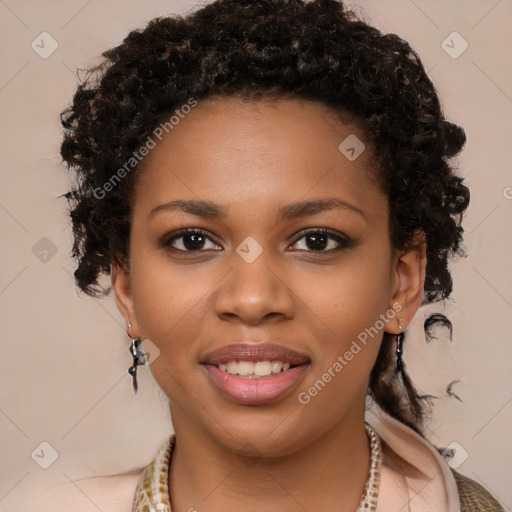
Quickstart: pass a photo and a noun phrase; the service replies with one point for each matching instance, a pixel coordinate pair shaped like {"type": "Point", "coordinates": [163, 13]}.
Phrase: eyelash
{"type": "Point", "coordinates": [344, 241]}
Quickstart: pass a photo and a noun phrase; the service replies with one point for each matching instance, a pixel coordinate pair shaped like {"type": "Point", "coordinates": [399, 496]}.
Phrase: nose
{"type": "Point", "coordinates": [254, 291]}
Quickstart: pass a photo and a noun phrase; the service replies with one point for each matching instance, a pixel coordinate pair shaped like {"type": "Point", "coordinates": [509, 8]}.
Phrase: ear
{"type": "Point", "coordinates": [121, 285]}
{"type": "Point", "coordinates": [408, 277]}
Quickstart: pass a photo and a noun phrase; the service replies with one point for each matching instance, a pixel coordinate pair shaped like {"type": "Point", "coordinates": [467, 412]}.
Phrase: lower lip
{"type": "Point", "coordinates": [255, 391]}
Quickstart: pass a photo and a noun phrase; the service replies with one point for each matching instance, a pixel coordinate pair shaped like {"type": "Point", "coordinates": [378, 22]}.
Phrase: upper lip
{"type": "Point", "coordinates": [255, 352]}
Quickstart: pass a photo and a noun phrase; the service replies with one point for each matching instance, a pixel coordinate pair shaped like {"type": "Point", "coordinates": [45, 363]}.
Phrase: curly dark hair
{"type": "Point", "coordinates": [311, 50]}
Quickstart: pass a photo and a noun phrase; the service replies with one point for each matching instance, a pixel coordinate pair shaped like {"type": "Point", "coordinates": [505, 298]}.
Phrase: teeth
{"type": "Point", "coordinates": [232, 367]}
{"type": "Point", "coordinates": [277, 366]}
{"type": "Point", "coordinates": [258, 368]}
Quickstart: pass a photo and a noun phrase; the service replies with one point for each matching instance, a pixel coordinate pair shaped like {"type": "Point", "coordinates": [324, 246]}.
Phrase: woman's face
{"type": "Point", "coordinates": [256, 274]}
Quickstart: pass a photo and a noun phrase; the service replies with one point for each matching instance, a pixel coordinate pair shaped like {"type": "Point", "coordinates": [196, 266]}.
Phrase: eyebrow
{"type": "Point", "coordinates": [291, 211]}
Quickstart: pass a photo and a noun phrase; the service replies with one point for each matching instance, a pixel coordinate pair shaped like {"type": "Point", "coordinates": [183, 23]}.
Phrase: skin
{"type": "Point", "coordinates": [252, 158]}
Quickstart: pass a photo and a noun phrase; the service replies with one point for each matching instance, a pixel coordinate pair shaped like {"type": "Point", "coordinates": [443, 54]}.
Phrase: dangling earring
{"type": "Point", "coordinates": [138, 358]}
{"type": "Point", "coordinates": [399, 349]}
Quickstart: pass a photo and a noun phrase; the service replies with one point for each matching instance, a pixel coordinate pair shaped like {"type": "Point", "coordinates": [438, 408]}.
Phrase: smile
{"type": "Point", "coordinates": [255, 383]}
{"type": "Point", "coordinates": [254, 369]}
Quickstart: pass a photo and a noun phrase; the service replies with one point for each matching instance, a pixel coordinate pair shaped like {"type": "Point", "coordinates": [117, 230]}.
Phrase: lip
{"type": "Point", "coordinates": [255, 352]}
{"type": "Point", "coordinates": [256, 390]}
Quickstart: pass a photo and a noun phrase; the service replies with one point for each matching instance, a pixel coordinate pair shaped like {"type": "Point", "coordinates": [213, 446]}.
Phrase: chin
{"type": "Point", "coordinates": [261, 435]}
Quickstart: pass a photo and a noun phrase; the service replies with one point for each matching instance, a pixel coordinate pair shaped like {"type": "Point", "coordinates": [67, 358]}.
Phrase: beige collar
{"type": "Point", "coordinates": [414, 476]}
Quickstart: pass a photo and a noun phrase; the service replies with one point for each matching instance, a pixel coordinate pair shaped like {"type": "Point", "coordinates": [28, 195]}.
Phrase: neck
{"type": "Point", "coordinates": [325, 473]}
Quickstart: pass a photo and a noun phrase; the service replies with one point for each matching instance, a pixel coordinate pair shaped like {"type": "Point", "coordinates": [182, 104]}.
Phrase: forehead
{"type": "Point", "coordinates": [258, 148]}
{"type": "Point", "coordinates": [230, 123]}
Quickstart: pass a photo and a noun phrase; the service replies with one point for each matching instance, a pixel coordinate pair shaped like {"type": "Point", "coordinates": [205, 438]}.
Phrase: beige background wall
{"type": "Point", "coordinates": [64, 358]}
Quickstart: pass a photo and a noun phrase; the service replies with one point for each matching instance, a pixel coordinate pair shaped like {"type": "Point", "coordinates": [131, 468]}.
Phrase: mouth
{"type": "Point", "coordinates": [255, 370]}
{"type": "Point", "coordinates": [255, 374]}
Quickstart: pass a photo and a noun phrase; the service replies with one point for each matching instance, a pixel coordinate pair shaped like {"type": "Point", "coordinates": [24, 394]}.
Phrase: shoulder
{"type": "Point", "coordinates": [473, 497]}
{"type": "Point", "coordinates": [113, 493]}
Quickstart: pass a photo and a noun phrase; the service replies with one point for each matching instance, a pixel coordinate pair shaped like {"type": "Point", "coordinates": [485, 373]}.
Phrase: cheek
{"type": "Point", "coordinates": [350, 311]}
{"type": "Point", "coordinates": [166, 295]}
{"type": "Point", "coordinates": [160, 310]}
{"type": "Point", "coordinates": [349, 297]}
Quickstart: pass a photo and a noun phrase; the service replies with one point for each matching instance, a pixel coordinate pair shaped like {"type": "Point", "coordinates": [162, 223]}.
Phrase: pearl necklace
{"type": "Point", "coordinates": [368, 501]}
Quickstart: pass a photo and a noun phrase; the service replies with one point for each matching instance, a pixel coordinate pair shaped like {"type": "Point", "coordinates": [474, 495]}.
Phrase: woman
{"type": "Point", "coordinates": [269, 185]}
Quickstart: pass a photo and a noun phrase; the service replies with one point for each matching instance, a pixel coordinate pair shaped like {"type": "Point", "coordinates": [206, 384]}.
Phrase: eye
{"type": "Point", "coordinates": [187, 240]}
{"type": "Point", "coordinates": [318, 240]}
